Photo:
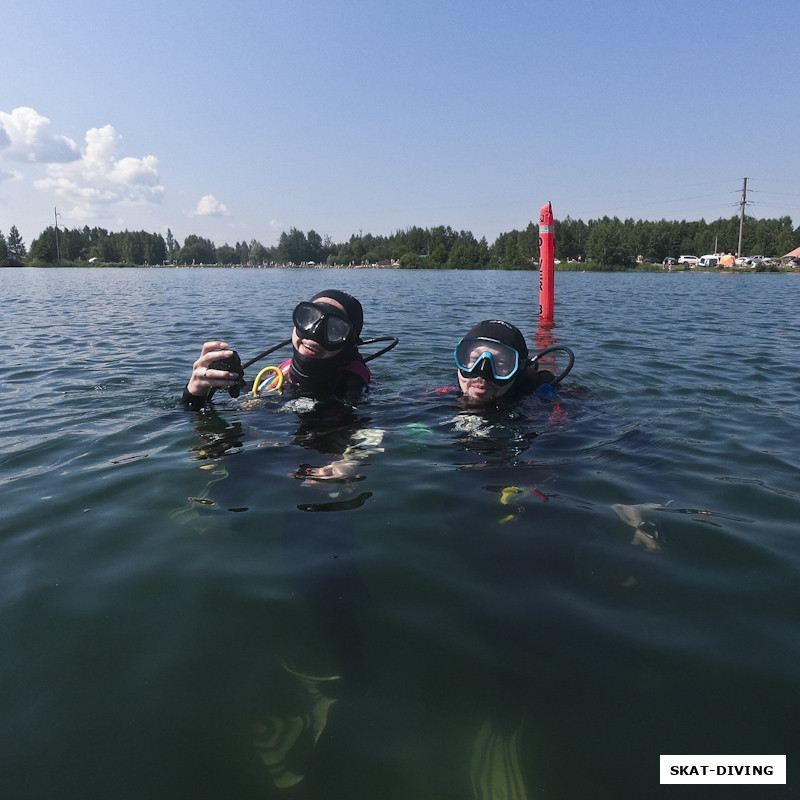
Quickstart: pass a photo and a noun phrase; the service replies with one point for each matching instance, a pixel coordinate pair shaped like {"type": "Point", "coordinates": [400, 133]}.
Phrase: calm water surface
{"type": "Point", "coordinates": [173, 595]}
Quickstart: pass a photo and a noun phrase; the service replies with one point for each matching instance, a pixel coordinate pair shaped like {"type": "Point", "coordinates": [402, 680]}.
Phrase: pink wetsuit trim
{"type": "Point", "coordinates": [356, 367]}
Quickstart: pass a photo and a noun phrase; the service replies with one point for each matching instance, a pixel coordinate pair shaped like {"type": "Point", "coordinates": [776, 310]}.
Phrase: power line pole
{"type": "Point", "coordinates": [741, 218]}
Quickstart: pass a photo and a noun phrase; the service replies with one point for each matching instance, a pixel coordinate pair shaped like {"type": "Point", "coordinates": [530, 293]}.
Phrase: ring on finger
{"type": "Point", "coordinates": [205, 372]}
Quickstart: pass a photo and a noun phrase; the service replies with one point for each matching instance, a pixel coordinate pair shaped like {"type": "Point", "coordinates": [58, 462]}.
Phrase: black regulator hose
{"type": "Point", "coordinates": [556, 347]}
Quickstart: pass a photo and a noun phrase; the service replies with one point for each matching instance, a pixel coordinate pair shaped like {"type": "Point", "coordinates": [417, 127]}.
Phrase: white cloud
{"type": "Point", "coordinates": [99, 177]}
{"type": "Point", "coordinates": [209, 206]}
{"type": "Point", "coordinates": [24, 136]}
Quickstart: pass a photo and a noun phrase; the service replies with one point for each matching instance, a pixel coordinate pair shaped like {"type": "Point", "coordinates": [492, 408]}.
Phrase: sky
{"type": "Point", "coordinates": [240, 120]}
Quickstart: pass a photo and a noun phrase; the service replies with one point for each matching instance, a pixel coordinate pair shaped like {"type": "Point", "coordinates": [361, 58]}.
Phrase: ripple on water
{"type": "Point", "coordinates": [617, 568]}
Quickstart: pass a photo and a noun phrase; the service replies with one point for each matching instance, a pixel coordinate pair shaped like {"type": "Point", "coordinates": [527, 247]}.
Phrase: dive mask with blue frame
{"type": "Point", "coordinates": [486, 358]}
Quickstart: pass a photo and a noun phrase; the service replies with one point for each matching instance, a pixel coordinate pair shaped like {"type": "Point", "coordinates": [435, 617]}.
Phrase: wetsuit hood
{"type": "Point", "coordinates": [353, 309]}
{"type": "Point", "coordinates": [316, 375]}
{"type": "Point", "coordinates": [503, 332]}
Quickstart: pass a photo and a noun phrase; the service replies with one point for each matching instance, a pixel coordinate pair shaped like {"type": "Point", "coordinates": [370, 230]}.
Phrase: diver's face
{"type": "Point", "coordinates": [479, 391]}
{"type": "Point", "coordinates": [310, 348]}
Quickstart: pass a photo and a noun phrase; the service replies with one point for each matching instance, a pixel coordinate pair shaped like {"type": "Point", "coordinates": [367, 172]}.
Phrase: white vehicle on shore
{"type": "Point", "coordinates": [708, 261]}
{"type": "Point", "coordinates": [692, 261]}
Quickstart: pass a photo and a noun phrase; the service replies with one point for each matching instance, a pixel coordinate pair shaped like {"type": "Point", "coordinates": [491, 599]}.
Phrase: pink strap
{"type": "Point", "coordinates": [361, 369]}
{"type": "Point", "coordinates": [356, 367]}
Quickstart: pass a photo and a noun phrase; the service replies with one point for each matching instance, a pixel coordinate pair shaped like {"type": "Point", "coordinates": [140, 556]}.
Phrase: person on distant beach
{"type": "Point", "coordinates": [325, 360]}
{"type": "Point", "coordinates": [493, 364]}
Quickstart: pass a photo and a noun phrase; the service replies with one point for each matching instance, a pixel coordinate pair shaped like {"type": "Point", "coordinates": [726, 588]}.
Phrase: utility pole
{"type": "Point", "coordinates": [741, 218]}
{"type": "Point", "coordinates": [58, 248]}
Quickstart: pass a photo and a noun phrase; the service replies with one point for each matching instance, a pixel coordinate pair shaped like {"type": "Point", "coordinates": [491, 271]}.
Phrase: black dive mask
{"type": "Point", "coordinates": [322, 323]}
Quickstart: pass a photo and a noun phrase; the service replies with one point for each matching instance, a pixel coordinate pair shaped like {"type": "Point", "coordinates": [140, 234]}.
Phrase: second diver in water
{"type": "Point", "coordinates": [494, 365]}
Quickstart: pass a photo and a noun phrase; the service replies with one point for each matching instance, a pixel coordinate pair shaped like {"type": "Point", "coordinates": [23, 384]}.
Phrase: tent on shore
{"type": "Point", "coordinates": [794, 254]}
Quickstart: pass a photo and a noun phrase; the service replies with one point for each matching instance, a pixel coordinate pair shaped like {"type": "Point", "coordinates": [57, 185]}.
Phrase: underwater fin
{"type": "Point", "coordinates": [285, 745]}
{"type": "Point", "coordinates": [273, 740]}
{"type": "Point", "coordinates": [494, 767]}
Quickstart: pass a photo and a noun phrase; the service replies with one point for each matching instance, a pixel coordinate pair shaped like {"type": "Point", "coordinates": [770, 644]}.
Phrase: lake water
{"type": "Point", "coordinates": [176, 604]}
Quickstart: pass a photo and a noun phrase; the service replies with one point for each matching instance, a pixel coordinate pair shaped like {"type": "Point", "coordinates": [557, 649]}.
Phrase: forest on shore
{"type": "Point", "coordinates": [607, 243]}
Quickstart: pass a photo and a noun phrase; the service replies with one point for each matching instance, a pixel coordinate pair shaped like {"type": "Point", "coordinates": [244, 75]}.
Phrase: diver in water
{"type": "Point", "coordinates": [309, 676]}
{"type": "Point", "coordinates": [325, 360]}
{"type": "Point", "coordinates": [494, 366]}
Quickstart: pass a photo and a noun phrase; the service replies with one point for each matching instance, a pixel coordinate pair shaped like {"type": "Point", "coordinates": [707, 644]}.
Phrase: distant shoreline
{"type": "Point", "coordinates": [583, 267]}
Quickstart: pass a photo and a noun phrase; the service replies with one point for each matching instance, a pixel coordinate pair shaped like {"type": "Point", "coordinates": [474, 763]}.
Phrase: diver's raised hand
{"type": "Point", "coordinates": [204, 376]}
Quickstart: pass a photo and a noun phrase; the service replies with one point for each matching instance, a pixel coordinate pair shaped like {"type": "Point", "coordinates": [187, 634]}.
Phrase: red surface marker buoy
{"type": "Point", "coordinates": [546, 263]}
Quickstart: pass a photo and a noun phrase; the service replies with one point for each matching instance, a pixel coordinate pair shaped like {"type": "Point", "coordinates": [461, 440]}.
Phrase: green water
{"type": "Point", "coordinates": [169, 583]}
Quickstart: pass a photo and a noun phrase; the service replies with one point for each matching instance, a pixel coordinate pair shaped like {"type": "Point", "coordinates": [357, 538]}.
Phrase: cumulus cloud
{"type": "Point", "coordinates": [209, 206]}
{"type": "Point", "coordinates": [25, 136]}
{"type": "Point", "coordinates": [100, 177]}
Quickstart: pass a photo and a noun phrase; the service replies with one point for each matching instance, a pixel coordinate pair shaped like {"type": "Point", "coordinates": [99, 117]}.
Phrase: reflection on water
{"type": "Point", "coordinates": [533, 601]}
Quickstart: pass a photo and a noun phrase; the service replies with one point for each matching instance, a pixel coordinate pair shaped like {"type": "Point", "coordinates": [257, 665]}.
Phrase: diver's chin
{"type": "Point", "coordinates": [311, 349]}
{"type": "Point", "coordinates": [480, 392]}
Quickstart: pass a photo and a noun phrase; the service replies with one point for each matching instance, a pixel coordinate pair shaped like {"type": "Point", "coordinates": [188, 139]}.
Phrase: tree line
{"type": "Point", "coordinates": [605, 243]}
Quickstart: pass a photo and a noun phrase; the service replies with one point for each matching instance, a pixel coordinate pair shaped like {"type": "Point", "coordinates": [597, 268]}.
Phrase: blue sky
{"type": "Point", "coordinates": [238, 120]}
